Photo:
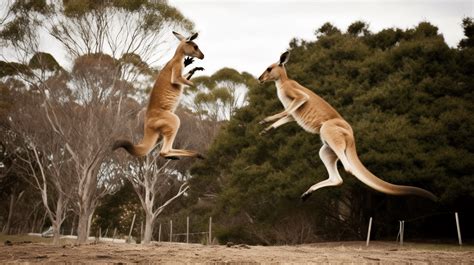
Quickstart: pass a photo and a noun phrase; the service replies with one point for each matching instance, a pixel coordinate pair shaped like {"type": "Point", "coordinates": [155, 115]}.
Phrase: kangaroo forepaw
{"type": "Point", "coordinates": [188, 61]}
{"type": "Point", "coordinates": [191, 72]}
{"type": "Point", "coordinates": [305, 196]}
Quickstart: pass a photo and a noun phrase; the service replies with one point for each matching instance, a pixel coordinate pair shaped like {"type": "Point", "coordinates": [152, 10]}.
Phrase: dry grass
{"type": "Point", "coordinates": [41, 250]}
{"type": "Point", "coordinates": [32, 239]}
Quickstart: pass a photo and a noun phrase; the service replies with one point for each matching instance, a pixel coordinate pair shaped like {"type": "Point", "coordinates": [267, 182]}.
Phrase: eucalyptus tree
{"type": "Point", "coordinates": [110, 47]}
{"type": "Point", "coordinates": [218, 96]}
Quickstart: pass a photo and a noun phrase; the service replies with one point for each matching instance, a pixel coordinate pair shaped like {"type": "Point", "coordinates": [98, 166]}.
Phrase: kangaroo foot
{"type": "Point", "coordinates": [172, 157]}
{"type": "Point", "coordinates": [305, 196]}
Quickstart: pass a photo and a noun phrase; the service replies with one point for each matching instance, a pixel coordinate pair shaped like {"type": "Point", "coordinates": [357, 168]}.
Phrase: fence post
{"type": "Point", "coordinates": [210, 230]}
{"type": "Point", "coordinates": [171, 230]}
{"type": "Point", "coordinates": [115, 232]}
{"type": "Point", "coordinates": [159, 233]}
{"type": "Point", "coordinates": [141, 232]}
{"type": "Point", "coordinates": [458, 228]}
{"type": "Point", "coordinates": [73, 225]}
{"type": "Point", "coordinates": [368, 232]}
{"type": "Point", "coordinates": [402, 231]}
{"type": "Point", "coordinates": [131, 227]}
{"type": "Point", "coordinates": [187, 229]}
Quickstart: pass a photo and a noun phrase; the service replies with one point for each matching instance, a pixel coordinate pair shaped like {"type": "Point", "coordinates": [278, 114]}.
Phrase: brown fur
{"type": "Point", "coordinates": [317, 116]}
{"type": "Point", "coordinates": [160, 119]}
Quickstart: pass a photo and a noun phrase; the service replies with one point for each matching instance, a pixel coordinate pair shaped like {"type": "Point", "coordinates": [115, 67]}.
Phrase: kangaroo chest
{"type": "Point", "coordinates": [282, 96]}
{"type": "Point", "coordinates": [302, 115]}
{"type": "Point", "coordinates": [171, 97]}
{"type": "Point", "coordinates": [165, 95]}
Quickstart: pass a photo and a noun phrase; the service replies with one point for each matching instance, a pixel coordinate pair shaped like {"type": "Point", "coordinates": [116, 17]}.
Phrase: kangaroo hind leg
{"type": "Point", "coordinates": [329, 159]}
{"type": "Point", "coordinates": [169, 129]}
{"type": "Point", "coordinates": [337, 134]}
{"type": "Point", "coordinates": [174, 154]}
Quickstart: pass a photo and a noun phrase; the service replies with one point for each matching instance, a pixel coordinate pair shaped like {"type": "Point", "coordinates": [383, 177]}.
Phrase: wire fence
{"type": "Point", "coordinates": [401, 230]}
{"type": "Point", "coordinates": [166, 233]}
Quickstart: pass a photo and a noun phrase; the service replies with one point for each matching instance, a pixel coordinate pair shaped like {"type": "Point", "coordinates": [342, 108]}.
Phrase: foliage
{"type": "Point", "coordinates": [80, 8]}
{"type": "Point", "coordinates": [15, 29]}
{"type": "Point", "coordinates": [357, 28]}
{"type": "Point", "coordinates": [12, 68]}
{"type": "Point", "coordinates": [44, 61]}
{"type": "Point", "coordinates": [468, 26]}
{"type": "Point", "coordinates": [117, 209]}
{"type": "Point", "coordinates": [40, 6]}
{"type": "Point", "coordinates": [216, 97]}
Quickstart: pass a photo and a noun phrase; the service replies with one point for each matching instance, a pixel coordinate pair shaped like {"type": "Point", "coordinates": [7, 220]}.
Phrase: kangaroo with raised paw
{"type": "Point", "coordinates": [316, 116]}
{"type": "Point", "coordinates": [164, 99]}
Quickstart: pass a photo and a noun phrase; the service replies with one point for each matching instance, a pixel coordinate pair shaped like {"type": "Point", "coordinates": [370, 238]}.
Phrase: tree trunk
{"type": "Point", "coordinates": [89, 222]}
{"type": "Point", "coordinates": [87, 207]}
{"type": "Point", "coordinates": [58, 220]}
{"type": "Point", "coordinates": [149, 224]}
{"type": "Point", "coordinates": [83, 227]}
{"type": "Point", "coordinates": [10, 213]}
{"type": "Point", "coordinates": [35, 221]}
{"type": "Point", "coordinates": [56, 232]}
{"type": "Point", "coordinates": [42, 222]}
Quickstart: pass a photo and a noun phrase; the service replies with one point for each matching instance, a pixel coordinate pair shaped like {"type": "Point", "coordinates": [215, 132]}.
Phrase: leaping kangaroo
{"type": "Point", "coordinates": [316, 116]}
{"type": "Point", "coordinates": [164, 98]}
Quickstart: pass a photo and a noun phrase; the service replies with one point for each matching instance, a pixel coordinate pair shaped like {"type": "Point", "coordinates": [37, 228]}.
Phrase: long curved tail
{"type": "Point", "coordinates": [141, 149]}
{"type": "Point", "coordinates": [363, 174]}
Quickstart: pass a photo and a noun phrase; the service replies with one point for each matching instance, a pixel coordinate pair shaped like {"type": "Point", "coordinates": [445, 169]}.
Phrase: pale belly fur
{"type": "Point", "coordinates": [172, 99]}
{"type": "Point", "coordinates": [178, 99]}
{"type": "Point", "coordinates": [305, 124]}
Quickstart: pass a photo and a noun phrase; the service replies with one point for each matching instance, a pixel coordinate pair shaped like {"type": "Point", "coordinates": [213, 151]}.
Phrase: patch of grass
{"type": "Point", "coordinates": [24, 237]}
{"type": "Point", "coordinates": [34, 239]}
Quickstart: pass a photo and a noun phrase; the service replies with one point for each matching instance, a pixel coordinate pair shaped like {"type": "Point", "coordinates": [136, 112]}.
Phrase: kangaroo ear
{"type": "Point", "coordinates": [192, 37]}
{"type": "Point", "coordinates": [284, 57]}
{"type": "Point", "coordinates": [179, 36]}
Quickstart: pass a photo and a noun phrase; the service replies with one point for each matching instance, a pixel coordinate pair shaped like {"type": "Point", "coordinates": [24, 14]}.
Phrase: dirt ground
{"type": "Point", "coordinates": [333, 253]}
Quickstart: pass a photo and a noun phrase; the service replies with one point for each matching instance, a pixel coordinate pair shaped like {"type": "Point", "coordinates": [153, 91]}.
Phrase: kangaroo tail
{"type": "Point", "coordinates": [141, 149]}
{"type": "Point", "coordinates": [363, 174]}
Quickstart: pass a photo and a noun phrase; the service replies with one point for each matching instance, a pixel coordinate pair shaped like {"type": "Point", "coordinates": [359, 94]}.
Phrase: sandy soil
{"type": "Point", "coordinates": [333, 253]}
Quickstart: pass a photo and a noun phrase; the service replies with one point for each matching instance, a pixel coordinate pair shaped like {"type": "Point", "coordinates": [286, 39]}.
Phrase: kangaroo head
{"type": "Point", "coordinates": [187, 46]}
{"type": "Point", "coordinates": [276, 70]}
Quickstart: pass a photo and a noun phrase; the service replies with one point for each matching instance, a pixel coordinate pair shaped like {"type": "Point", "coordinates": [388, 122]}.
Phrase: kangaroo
{"type": "Point", "coordinates": [164, 98]}
{"type": "Point", "coordinates": [316, 116]}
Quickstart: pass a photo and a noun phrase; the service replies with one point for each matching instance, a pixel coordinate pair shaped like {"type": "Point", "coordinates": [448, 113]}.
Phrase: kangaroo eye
{"type": "Point", "coordinates": [269, 69]}
{"type": "Point", "coordinates": [195, 47]}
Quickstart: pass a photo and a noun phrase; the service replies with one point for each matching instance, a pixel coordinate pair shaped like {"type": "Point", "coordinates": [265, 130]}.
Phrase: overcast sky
{"type": "Point", "coordinates": [250, 35]}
